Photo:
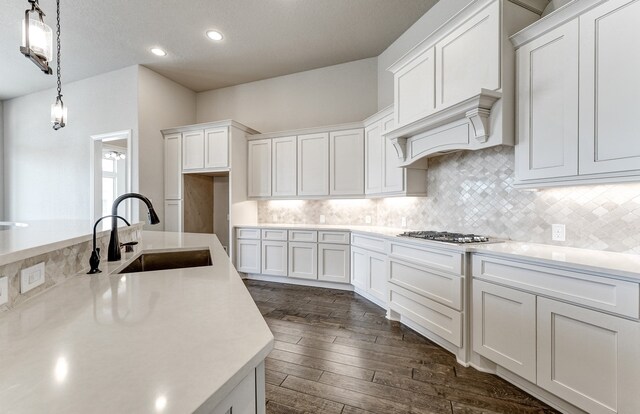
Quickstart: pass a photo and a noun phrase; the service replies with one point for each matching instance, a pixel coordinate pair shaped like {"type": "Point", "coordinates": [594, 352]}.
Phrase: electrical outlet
{"type": "Point", "coordinates": [4, 290]}
{"type": "Point", "coordinates": [404, 222]}
{"type": "Point", "coordinates": [31, 277]}
{"type": "Point", "coordinates": [558, 232]}
{"type": "Point", "coordinates": [323, 219]}
{"type": "Point", "coordinates": [367, 219]}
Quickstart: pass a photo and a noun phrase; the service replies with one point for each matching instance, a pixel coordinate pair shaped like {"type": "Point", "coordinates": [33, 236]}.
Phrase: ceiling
{"type": "Point", "coordinates": [263, 38]}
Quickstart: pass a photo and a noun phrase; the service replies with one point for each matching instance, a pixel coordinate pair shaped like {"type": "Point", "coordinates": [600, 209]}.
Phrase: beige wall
{"type": "Point", "coordinates": [427, 24]}
{"type": "Point", "coordinates": [46, 171]}
{"type": "Point", "coordinates": [326, 96]}
{"type": "Point", "coordinates": [162, 103]}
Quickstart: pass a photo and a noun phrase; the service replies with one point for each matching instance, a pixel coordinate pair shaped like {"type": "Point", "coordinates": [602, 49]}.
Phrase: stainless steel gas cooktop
{"type": "Point", "coordinates": [444, 236]}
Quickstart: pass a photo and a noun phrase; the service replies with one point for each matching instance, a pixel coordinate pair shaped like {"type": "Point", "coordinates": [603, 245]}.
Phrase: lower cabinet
{"type": "Point", "coordinates": [504, 327]}
{"type": "Point", "coordinates": [274, 258]}
{"type": "Point", "coordinates": [589, 358]}
{"type": "Point", "coordinates": [333, 262]}
{"type": "Point", "coordinates": [243, 398]}
{"type": "Point", "coordinates": [369, 272]}
{"type": "Point", "coordinates": [248, 256]}
{"type": "Point", "coordinates": [173, 215]}
{"type": "Point", "coordinates": [303, 260]}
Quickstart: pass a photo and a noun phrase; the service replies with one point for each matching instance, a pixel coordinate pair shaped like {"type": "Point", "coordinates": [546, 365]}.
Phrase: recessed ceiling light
{"type": "Point", "coordinates": [214, 35]}
{"type": "Point", "coordinates": [158, 52]}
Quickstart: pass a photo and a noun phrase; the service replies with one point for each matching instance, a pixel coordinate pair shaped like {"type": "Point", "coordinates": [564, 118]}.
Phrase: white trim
{"type": "Point", "coordinates": [207, 125]}
{"type": "Point", "coordinates": [296, 281]}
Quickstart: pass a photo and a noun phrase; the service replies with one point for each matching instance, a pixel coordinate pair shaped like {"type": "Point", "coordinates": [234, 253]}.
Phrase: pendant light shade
{"type": "Point", "coordinates": [58, 113]}
{"type": "Point", "coordinates": [37, 38]}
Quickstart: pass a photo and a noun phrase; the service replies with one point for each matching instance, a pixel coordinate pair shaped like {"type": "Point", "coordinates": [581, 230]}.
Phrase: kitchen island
{"type": "Point", "coordinates": [178, 340]}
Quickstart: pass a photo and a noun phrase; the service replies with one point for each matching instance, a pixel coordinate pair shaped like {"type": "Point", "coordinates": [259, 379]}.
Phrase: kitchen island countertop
{"type": "Point", "coordinates": [165, 341]}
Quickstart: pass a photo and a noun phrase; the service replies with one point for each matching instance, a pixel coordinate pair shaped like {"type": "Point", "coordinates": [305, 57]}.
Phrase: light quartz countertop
{"type": "Point", "coordinates": [620, 265]}
{"type": "Point", "coordinates": [32, 238]}
{"type": "Point", "coordinates": [164, 341]}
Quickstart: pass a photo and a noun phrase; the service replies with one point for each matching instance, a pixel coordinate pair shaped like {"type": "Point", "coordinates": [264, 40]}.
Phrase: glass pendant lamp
{"type": "Point", "coordinates": [37, 38]}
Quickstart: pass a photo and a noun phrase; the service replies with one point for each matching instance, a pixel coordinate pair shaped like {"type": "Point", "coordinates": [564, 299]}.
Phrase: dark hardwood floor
{"type": "Point", "coordinates": [335, 352]}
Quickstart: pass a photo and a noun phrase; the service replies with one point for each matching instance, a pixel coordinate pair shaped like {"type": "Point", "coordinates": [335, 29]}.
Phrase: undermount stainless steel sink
{"type": "Point", "coordinates": [150, 261]}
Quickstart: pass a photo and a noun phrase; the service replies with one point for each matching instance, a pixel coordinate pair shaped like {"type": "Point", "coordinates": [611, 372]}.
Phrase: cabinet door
{"type": "Point", "coordinates": [609, 88]}
{"type": "Point", "coordinates": [333, 263]}
{"type": "Point", "coordinates": [346, 162]}
{"type": "Point", "coordinates": [373, 159]}
{"type": "Point", "coordinates": [359, 267]}
{"type": "Point", "coordinates": [284, 154]}
{"type": "Point", "coordinates": [588, 358]}
{"type": "Point", "coordinates": [242, 400]}
{"type": "Point", "coordinates": [259, 168]}
{"type": "Point", "coordinates": [173, 167]}
{"type": "Point", "coordinates": [173, 215]}
{"type": "Point", "coordinates": [377, 276]}
{"type": "Point", "coordinates": [392, 174]}
{"type": "Point", "coordinates": [414, 89]}
{"type": "Point", "coordinates": [547, 144]}
{"type": "Point", "coordinates": [468, 59]}
{"type": "Point", "coordinates": [248, 256]}
{"type": "Point", "coordinates": [504, 327]}
{"type": "Point", "coordinates": [216, 143]}
{"type": "Point", "coordinates": [303, 260]}
{"type": "Point", "coordinates": [274, 258]}
{"type": "Point", "coordinates": [313, 165]}
{"type": "Point", "coordinates": [193, 150]}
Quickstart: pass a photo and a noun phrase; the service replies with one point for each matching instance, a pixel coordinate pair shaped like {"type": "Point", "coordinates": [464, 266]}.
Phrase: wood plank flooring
{"type": "Point", "coordinates": [335, 352]}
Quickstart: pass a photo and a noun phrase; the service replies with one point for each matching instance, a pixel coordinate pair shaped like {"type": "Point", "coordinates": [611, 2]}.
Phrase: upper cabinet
{"type": "Point", "coordinates": [259, 164]}
{"type": "Point", "coordinates": [346, 162]}
{"type": "Point", "coordinates": [454, 90]}
{"type": "Point", "coordinates": [284, 166]}
{"type": "Point", "coordinates": [577, 96]}
{"type": "Point", "coordinates": [313, 164]}
{"type": "Point", "coordinates": [383, 175]}
{"type": "Point", "coordinates": [206, 149]}
{"type": "Point", "coordinates": [193, 150]}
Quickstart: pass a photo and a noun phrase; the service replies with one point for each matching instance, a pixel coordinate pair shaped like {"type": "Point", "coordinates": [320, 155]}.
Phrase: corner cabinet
{"type": "Point", "coordinates": [577, 96]}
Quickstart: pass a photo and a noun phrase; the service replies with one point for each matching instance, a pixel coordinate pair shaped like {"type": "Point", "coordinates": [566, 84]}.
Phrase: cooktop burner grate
{"type": "Point", "coordinates": [444, 236]}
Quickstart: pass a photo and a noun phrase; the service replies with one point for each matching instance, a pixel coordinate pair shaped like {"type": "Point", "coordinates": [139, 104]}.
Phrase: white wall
{"type": "Point", "coordinates": [1, 163]}
{"type": "Point", "coordinates": [441, 12]}
{"type": "Point", "coordinates": [326, 96]}
{"type": "Point", "coordinates": [46, 171]}
{"type": "Point", "coordinates": [162, 103]}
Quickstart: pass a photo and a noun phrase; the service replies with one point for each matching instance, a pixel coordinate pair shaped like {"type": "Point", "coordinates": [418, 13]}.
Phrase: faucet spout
{"type": "Point", "coordinates": [94, 260]}
{"type": "Point", "coordinates": [114, 242]}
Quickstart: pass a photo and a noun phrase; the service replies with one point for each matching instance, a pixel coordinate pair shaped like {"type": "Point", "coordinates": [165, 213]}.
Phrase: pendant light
{"type": "Point", "coordinates": [58, 109]}
{"type": "Point", "coordinates": [36, 38]}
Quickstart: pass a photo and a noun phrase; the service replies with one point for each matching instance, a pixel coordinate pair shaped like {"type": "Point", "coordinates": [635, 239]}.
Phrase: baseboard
{"type": "Point", "coordinates": [370, 298]}
{"type": "Point", "coordinates": [300, 282]}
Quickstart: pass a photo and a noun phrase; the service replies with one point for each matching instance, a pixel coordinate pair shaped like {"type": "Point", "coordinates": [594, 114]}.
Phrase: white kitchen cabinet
{"type": "Point", "coordinates": [333, 263]}
{"type": "Point", "coordinates": [373, 159]}
{"type": "Point", "coordinates": [504, 327]}
{"type": "Point", "coordinates": [346, 162]}
{"type": "Point", "coordinates": [173, 215]}
{"type": "Point", "coordinates": [383, 174]}
{"type": "Point", "coordinates": [303, 260]}
{"type": "Point", "coordinates": [588, 358]}
{"type": "Point", "coordinates": [609, 88]}
{"type": "Point", "coordinates": [274, 258]}
{"type": "Point", "coordinates": [284, 166]}
{"type": "Point", "coordinates": [414, 88]}
{"type": "Point", "coordinates": [359, 267]}
{"type": "Point", "coordinates": [242, 399]}
{"type": "Point", "coordinates": [193, 150]}
{"type": "Point", "coordinates": [248, 256]}
{"type": "Point", "coordinates": [469, 58]}
{"type": "Point", "coordinates": [313, 165]}
{"type": "Point", "coordinates": [173, 166]}
{"type": "Point", "coordinates": [547, 144]}
{"type": "Point", "coordinates": [259, 169]}
{"type": "Point", "coordinates": [216, 148]}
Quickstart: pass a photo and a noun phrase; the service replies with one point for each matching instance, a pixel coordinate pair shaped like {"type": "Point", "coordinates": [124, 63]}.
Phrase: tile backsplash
{"type": "Point", "coordinates": [473, 192]}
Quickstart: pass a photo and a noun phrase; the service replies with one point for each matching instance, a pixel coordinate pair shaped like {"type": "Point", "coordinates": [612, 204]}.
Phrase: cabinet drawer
{"type": "Point", "coordinates": [448, 261]}
{"type": "Point", "coordinates": [248, 234]}
{"type": "Point", "coordinates": [338, 237]}
{"type": "Point", "coordinates": [366, 242]}
{"type": "Point", "coordinates": [310, 236]}
{"type": "Point", "coordinates": [597, 292]}
{"type": "Point", "coordinates": [439, 319]}
{"type": "Point", "coordinates": [274, 234]}
{"type": "Point", "coordinates": [438, 286]}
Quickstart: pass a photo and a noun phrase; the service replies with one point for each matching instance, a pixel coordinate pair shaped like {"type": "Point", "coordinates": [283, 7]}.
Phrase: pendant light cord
{"type": "Point", "coordinates": [58, 58]}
